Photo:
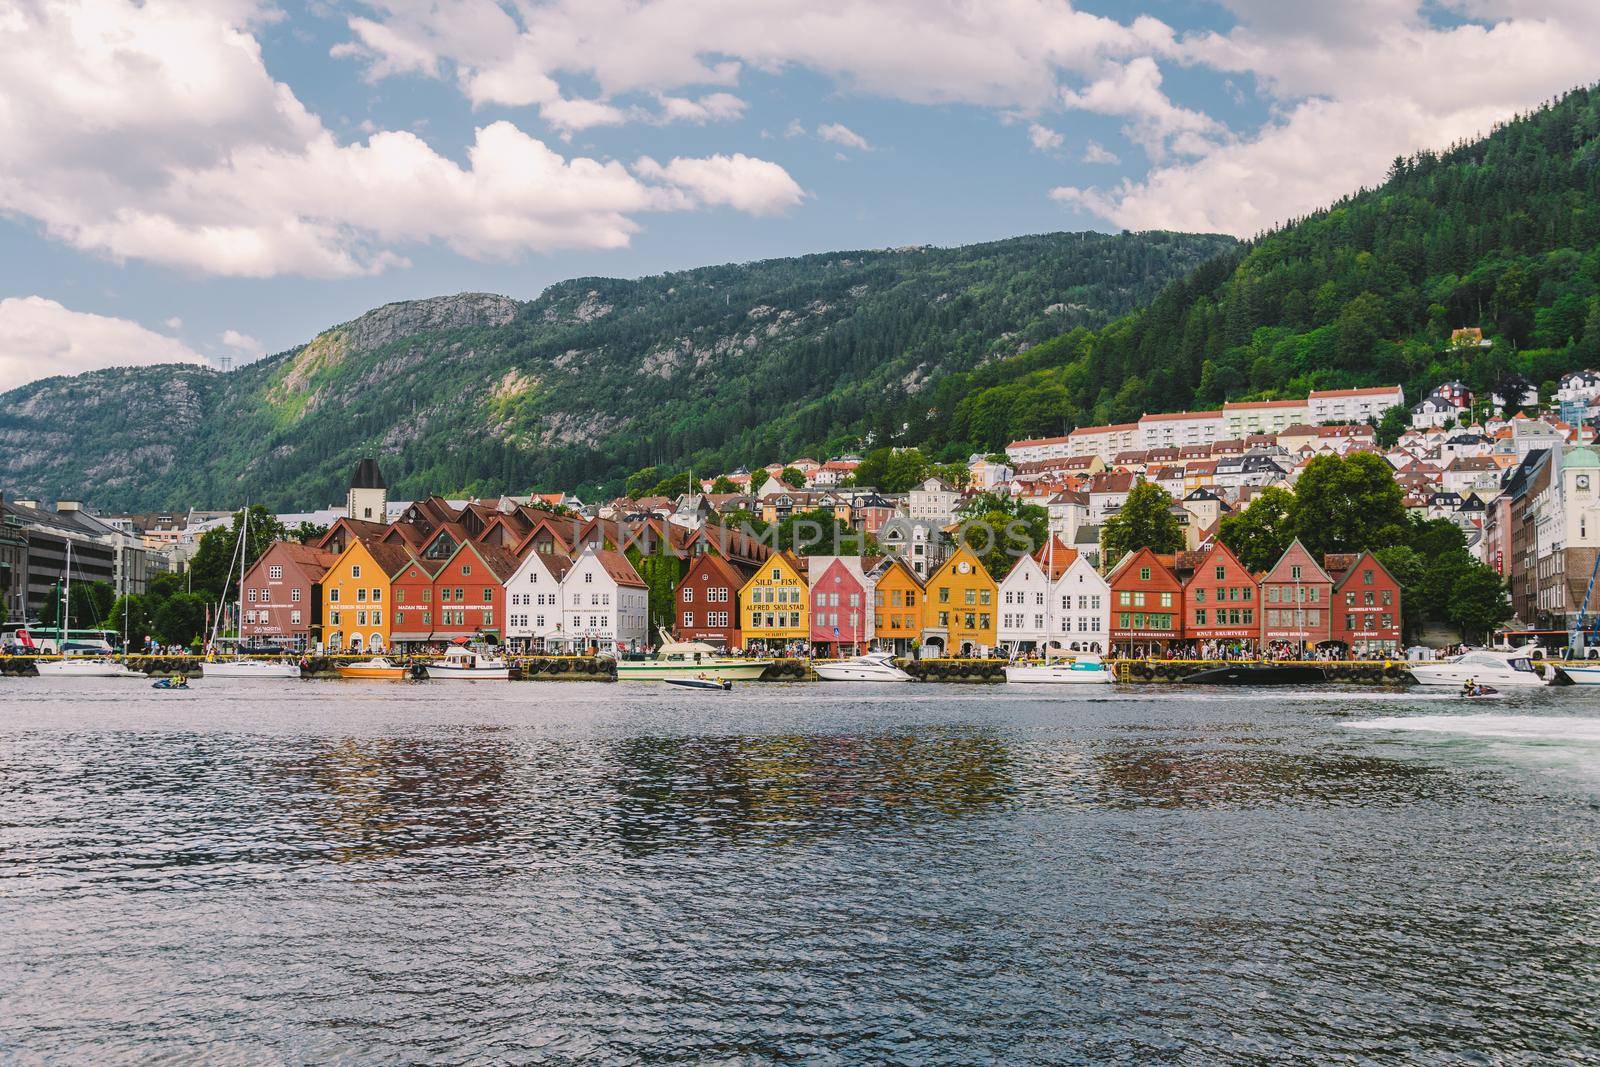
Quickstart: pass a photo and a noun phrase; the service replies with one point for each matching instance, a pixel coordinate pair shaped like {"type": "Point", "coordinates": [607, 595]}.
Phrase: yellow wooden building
{"type": "Point", "coordinates": [958, 613]}
{"type": "Point", "coordinates": [357, 612]}
{"type": "Point", "coordinates": [896, 606]}
{"type": "Point", "coordinates": [773, 604]}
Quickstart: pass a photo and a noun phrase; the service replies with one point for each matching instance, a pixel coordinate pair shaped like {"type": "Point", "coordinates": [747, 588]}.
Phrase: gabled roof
{"type": "Point", "coordinates": [1063, 557]}
{"type": "Point", "coordinates": [367, 475]}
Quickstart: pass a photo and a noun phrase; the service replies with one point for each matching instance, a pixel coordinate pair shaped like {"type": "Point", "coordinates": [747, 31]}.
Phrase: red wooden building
{"type": "Point", "coordinates": [411, 608]}
{"type": "Point", "coordinates": [707, 601]}
{"type": "Point", "coordinates": [1366, 605]}
{"type": "Point", "coordinates": [283, 596]}
{"type": "Point", "coordinates": [469, 593]}
{"type": "Point", "coordinates": [841, 610]}
{"type": "Point", "coordinates": [1146, 603]}
{"type": "Point", "coordinates": [1219, 600]}
{"type": "Point", "coordinates": [1296, 598]}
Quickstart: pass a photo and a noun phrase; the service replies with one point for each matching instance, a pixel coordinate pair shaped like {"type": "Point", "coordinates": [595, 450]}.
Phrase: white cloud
{"type": "Point", "coordinates": [242, 343]}
{"type": "Point", "coordinates": [1043, 138]}
{"type": "Point", "coordinates": [754, 186]}
{"type": "Point", "coordinates": [1353, 86]}
{"type": "Point", "coordinates": [1095, 152]}
{"type": "Point", "coordinates": [1133, 90]}
{"type": "Point", "coordinates": [713, 107]}
{"type": "Point", "coordinates": [40, 338]}
{"type": "Point", "coordinates": [173, 323]}
{"type": "Point", "coordinates": [154, 132]}
{"type": "Point", "coordinates": [840, 134]}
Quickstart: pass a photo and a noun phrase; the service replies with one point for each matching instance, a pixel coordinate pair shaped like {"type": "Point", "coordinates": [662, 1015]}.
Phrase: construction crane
{"type": "Point", "coordinates": [1587, 630]}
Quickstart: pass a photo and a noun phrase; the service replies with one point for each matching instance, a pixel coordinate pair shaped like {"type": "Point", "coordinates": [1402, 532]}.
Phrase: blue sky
{"type": "Point", "coordinates": [187, 182]}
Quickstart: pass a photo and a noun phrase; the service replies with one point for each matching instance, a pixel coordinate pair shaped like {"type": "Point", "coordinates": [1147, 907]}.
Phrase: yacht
{"type": "Point", "coordinates": [466, 664]}
{"type": "Point", "coordinates": [1492, 667]}
{"type": "Point", "coordinates": [688, 659]}
{"type": "Point", "coordinates": [1080, 668]}
{"type": "Point", "coordinates": [239, 667]}
{"type": "Point", "coordinates": [377, 667]}
{"type": "Point", "coordinates": [1580, 671]}
{"type": "Point", "coordinates": [872, 667]}
{"type": "Point", "coordinates": [86, 667]}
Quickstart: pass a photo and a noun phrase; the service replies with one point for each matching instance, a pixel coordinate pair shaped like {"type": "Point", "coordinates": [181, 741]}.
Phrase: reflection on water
{"type": "Point", "coordinates": [597, 874]}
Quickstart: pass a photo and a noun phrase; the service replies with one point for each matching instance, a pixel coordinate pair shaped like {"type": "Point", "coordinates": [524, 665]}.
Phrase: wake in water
{"type": "Point", "coordinates": [1557, 728]}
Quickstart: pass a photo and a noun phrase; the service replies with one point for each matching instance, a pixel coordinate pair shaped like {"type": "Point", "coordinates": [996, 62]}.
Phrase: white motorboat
{"type": "Point", "coordinates": [872, 667]}
{"type": "Point", "coordinates": [1491, 667]}
{"type": "Point", "coordinates": [686, 659]}
{"type": "Point", "coordinates": [700, 683]}
{"type": "Point", "coordinates": [1580, 671]}
{"type": "Point", "coordinates": [86, 667]}
{"type": "Point", "coordinates": [461, 663]}
{"type": "Point", "coordinates": [250, 668]}
{"type": "Point", "coordinates": [1081, 668]}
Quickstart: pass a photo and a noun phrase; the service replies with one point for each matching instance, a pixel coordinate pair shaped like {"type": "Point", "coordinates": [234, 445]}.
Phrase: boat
{"type": "Point", "coordinates": [377, 667]}
{"type": "Point", "coordinates": [86, 667]}
{"type": "Point", "coordinates": [236, 665]}
{"type": "Point", "coordinates": [721, 686]}
{"type": "Point", "coordinates": [1580, 672]}
{"type": "Point", "coordinates": [1079, 668]}
{"type": "Point", "coordinates": [467, 664]}
{"type": "Point", "coordinates": [1493, 667]}
{"type": "Point", "coordinates": [685, 659]}
{"type": "Point", "coordinates": [1481, 692]}
{"type": "Point", "coordinates": [1259, 674]}
{"type": "Point", "coordinates": [239, 667]}
{"type": "Point", "coordinates": [872, 667]}
{"type": "Point", "coordinates": [170, 683]}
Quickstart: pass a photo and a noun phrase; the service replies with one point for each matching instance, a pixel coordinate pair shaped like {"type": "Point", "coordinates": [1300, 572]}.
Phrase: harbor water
{"type": "Point", "coordinates": [295, 872]}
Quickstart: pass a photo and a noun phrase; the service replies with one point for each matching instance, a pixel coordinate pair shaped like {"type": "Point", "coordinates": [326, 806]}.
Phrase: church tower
{"type": "Point", "coordinates": [369, 496]}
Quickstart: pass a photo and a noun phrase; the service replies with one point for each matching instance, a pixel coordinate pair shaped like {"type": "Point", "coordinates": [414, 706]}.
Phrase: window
{"type": "Point", "coordinates": [377, 618]}
{"type": "Point", "coordinates": [294, 596]}
{"type": "Point", "coordinates": [466, 569]}
{"type": "Point", "coordinates": [1199, 616]}
{"type": "Point", "coordinates": [944, 594]}
{"type": "Point", "coordinates": [400, 596]}
{"type": "Point", "coordinates": [688, 618]}
{"type": "Point", "coordinates": [1294, 572]}
{"type": "Point", "coordinates": [427, 595]}
{"type": "Point", "coordinates": [252, 597]}
{"type": "Point", "coordinates": [361, 618]}
{"type": "Point", "coordinates": [1144, 574]}
{"type": "Point", "coordinates": [1222, 572]}
{"type": "Point", "coordinates": [333, 596]}
{"type": "Point", "coordinates": [688, 595]}
{"type": "Point", "coordinates": [294, 618]}
{"type": "Point", "coordinates": [488, 594]}
{"type": "Point", "coordinates": [588, 578]}
{"type": "Point", "coordinates": [355, 571]}
{"type": "Point", "coordinates": [1366, 577]}
{"type": "Point", "coordinates": [1199, 596]}
{"type": "Point", "coordinates": [333, 618]}
{"type": "Point", "coordinates": [274, 574]}
{"type": "Point", "coordinates": [427, 618]}
{"type": "Point", "coordinates": [361, 596]}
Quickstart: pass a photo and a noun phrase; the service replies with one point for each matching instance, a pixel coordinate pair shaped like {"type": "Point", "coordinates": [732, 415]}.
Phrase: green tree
{"type": "Point", "coordinates": [793, 477]}
{"type": "Point", "coordinates": [181, 619]}
{"type": "Point", "coordinates": [307, 532]}
{"type": "Point", "coordinates": [673, 485]}
{"type": "Point", "coordinates": [818, 533]}
{"type": "Point", "coordinates": [955, 474]}
{"type": "Point", "coordinates": [723, 485]}
{"type": "Point", "coordinates": [1409, 570]}
{"type": "Point", "coordinates": [1342, 502]}
{"type": "Point", "coordinates": [1477, 602]}
{"type": "Point", "coordinates": [1145, 520]}
{"type": "Point", "coordinates": [758, 478]}
{"type": "Point", "coordinates": [1395, 421]}
{"type": "Point", "coordinates": [1440, 577]}
{"type": "Point", "coordinates": [214, 565]}
{"type": "Point", "coordinates": [1260, 533]}
{"type": "Point", "coordinates": [892, 471]}
{"type": "Point", "coordinates": [1003, 531]}
{"type": "Point", "coordinates": [640, 481]}
{"type": "Point", "coordinates": [129, 615]}
{"type": "Point", "coordinates": [662, 572]}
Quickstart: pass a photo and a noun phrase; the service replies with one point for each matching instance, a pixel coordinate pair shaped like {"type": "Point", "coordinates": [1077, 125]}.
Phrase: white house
{"type": "Point", "coordinates": [1080, 615]}
{"type": "Point", "coordinates": [533, 599]}
{"type": "Point", "coordinates": [1023, 603]}
{"type": "Point", "coordinates": [1108, 492]}
{"type": "Point", "coordinates": [1263, 416]}
{"type": "Point", "coordinates": [1353, 405]}
{"type": "Point", "coordinates": [933, 501]}
{"type": "Point", "coordinates": [1103, 441]}
{"type": "Point", "coordinates": [1036, 449]}
{"type": "Point", "coordinates": [1068, 510]}
{"type": "Point", "coordinates": [604, 603]}
{"type": "Point", "coordinates": [1179, 428]}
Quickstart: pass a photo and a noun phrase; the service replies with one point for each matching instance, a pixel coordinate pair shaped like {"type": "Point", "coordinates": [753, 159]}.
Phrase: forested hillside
{"type": "Point", "coordinates": [589, 382]}
{"type": "Point", "coordinates": [1501, 233]}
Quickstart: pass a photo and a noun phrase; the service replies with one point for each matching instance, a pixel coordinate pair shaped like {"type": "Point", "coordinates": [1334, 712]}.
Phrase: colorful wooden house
{"type": "Point", "coordinates": [773, 604]}
{"type": "Point", "coordinates": [841, 617]}
{"type": "Point", "coordinates": [411, 602]}
{"type": "Point", "coordinates": [1366, 605]}
{"type": "Point", "coordinates": [1220, 600]}
{"type": "Point", "coordinates": [283, 596]}
{"type": "Point", "coordinates": [469, 593]}
{"type": "Point", "coordinates": [706, 605]}
{"type": "Point", "coordinates": [959, 611]}
{"type": "Point", "coordinates": [533, 598]}
{"type": "Point", "coordinates": [1147, 608]}
{"type": "Point", "coordinates": [896, 605]}
{"type": "Point", "coordinates": [1296, 603]}
{"type": "Point", "coordinates": [356, 599]}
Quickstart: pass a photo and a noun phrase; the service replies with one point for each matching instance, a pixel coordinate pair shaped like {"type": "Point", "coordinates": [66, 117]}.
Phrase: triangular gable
{"type": "Point", "coordinates": [1296, 553]}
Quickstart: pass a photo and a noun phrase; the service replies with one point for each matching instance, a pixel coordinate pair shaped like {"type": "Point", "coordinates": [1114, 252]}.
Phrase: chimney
{"type": "Point", "coordinates": [63, 506]}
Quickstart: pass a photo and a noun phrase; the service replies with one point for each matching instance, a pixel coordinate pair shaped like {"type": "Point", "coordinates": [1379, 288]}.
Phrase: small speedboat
{"type": "Point", "coordinates": [872, 667]}
{"type": "Point", "coordinates": [1259, 674]}
{"type": "Point", "coordinates": [377, 667]}
{"type": "Point", "coordinates": [464, 664]}
{"type": "Point", "coordinates": [720, 685]}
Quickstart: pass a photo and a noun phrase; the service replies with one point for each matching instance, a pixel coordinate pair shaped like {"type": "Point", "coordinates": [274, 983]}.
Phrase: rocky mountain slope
{"type": "Point", "coordinates": [593, 379]}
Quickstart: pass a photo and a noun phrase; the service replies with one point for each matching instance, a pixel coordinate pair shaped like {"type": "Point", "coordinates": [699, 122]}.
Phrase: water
{"type": "Point", "coordinates": [310, 872]}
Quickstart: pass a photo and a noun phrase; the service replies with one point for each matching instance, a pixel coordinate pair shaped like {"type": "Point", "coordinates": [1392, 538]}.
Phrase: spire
{"type": "Point", "coordinates": [367, 475]}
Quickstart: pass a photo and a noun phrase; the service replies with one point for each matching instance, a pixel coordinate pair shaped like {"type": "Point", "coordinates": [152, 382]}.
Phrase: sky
{"type": "Point", "coordinates": [200, 182]}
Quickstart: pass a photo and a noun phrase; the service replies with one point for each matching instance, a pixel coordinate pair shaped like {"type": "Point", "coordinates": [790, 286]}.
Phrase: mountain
{"type": "Point", "coordinates": [1502, 233]}
{"type": "Point", "coordinates": [589, 382]}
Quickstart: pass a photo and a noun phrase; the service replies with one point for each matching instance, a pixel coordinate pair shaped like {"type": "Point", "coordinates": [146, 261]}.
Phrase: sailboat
{"type": "Point", "coordinates": [237, 666]}
{"type": "Point", "coordinates": [1078, 668]}
{"type": "Point", "coordinates": [73, 663]}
